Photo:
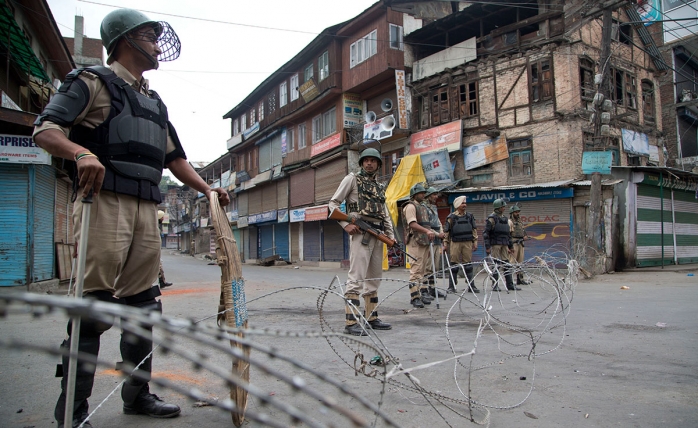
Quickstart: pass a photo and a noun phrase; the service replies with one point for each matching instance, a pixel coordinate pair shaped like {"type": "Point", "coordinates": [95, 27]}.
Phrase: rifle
{"type": "Point", "coordinates": [338, 215]}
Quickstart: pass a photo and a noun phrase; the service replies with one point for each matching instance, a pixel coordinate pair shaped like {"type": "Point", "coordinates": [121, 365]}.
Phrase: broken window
{"type": "Point", "coordinates": [423, 112]}
{"type": "Point", "coordinates": [586, 78]}
{"type": "Point", "coordinates": [440, 112]}
{"type": "Point", "coordinates": [622, 32]}
{"type": "Point", "coordinates": [623, 88]}
{"type": "Point", "coordinates": [520, 158]}
{"type": "Point", "coordinates": [541, 81]}
{"type": "Point", "coordinates": [630, 91]}
{"type": "Point", "coordinates": [648, 101]}
{"type": "Point", "coordinates": [468, 99]}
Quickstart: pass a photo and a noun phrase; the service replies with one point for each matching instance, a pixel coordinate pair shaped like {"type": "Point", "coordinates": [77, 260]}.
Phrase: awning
{"type": "Point", "coordinates": [13, 39]}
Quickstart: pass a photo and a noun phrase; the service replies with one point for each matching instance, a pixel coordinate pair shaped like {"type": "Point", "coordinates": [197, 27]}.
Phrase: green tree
{"type": "Point", "coordinates": [166, 181]}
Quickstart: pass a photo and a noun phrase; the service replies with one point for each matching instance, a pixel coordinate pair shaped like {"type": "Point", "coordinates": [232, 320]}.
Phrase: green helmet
{"type": "Point", "coordinates": [499, 203]}
{"type": "Point", "coordinates": [122, 21]}
{"type": "Point", "coordinates": [431, 191]}
{"type": "Point", "coordinates": [514, 209]}
{"type": "Point", "coordinates": [371, 153]}
{"type": "Point", "coordinates": [417, 188]}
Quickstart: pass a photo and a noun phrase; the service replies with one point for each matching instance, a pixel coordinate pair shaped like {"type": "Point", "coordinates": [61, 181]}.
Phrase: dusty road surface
{"type": "Point", "coordinates": [618, 358]}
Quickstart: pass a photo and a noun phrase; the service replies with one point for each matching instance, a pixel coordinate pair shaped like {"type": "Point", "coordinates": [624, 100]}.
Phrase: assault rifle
{"type": "Point", "coordinates": [338, 215]}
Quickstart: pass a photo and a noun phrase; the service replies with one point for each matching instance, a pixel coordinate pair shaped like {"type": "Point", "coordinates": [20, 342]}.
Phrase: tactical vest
{"type": "Point", "coordinates": [462, 227]}
{"type": "Point", "coordinates": [371, 197]}
{"type": "Point", "coordinates": [422, 220]}
{"type": "Point", "coordinates": [433, 212]}
{"type": "Point", "coordinates": [132, 141]}
{"type": "Point", "coordinates": [499, 234]}
{"type": "Point", "coordinates": [518, 231]}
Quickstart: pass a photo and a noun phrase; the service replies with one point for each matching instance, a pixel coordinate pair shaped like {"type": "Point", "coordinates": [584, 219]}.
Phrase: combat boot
{"type": "Point", "coordinates": [417, 303]}
{"type": "Point", "coordinates": [355, 330]}
{"type": "Point", "coordinates": [150, 404]}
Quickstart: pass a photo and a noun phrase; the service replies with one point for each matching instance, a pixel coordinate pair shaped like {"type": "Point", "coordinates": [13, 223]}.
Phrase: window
{"type": "Point", "coordinates": [243, 122]}
{"type": "Point", "coordinates": [261, 111]}
{"type": "Point", "coordinates": [329, 122]}
{"type": "Point", "coordinates": [308, 73]}
{"type": "Point", "coordinates": [271, 102]}
{"type": "Point", "coordinates": [541, 81]}
{"type": "Point", "coordinates": [520, 158]}
{"type": "Point", "coordinates": [253, 117]}
{"type": "Point", "coordinates": [586, 78]}
{"type": "Point", "coordinates": [648, 101]}
{"type": "Point", "coordinates": [624, 88]}
{"type": "Point", "coordinates": [249, 160]}
{"type": "Point", "coordinates": [363, 49]}
{"type": "Point", "coordinates": [391, 160]}
{"type": "Point", "coordinates": [236, 127]}
{"type": "Point", "coordinates": [301, 136]}
{"type": "Point", "coordinates": [283, 94]}
{"type": "Point", "coordinates": [440, 108]}
{"type": "Point", "coordinates": [396, 37]}
{"type": "Point", "coordinates": [423, 112]}
{"type": "Point", "coordinates": [323, 66]}
{"type": "Point", "coordinates": [269, 153]}
{"type": "Point", "coordinates": [289, 139]}
{"type": "Point", "coordinates": [294, 87]}
{"type": "Point", "coordinates": [468, 99]}
{"type": "Point", "coordinates": [622, 32]}
{"type": "Point", "coordinates": [317, 128]}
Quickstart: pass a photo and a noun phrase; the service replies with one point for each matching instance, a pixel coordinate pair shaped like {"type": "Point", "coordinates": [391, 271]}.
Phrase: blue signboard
{"type": "Point", "coordinates": [262, 217]}
{"type": "Point", "coordinates": [516, 195]}
{"type": "Point", "coordinates": [597, 162]}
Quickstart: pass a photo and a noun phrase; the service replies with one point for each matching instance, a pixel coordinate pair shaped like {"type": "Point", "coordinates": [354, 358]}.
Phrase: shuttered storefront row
{"type": "Point", "coordinates": [311, 241]}
{"type": "Point", "coordinates": [333, 242]}
{"type": "Point", "coordinates": [281, 240]}
{"type": "Point", "coordinates": [302, 188]}
{"type": "Point", "coordinates": [680, 211]}
{"type": "Point", "coordinates": [327, 179]}
{"type": "Point", "coordinates": [266, 239]}
{"type": "Point", "coordinates": [14, 181]}
{"type": "Point", "coordinates": [255, 201]}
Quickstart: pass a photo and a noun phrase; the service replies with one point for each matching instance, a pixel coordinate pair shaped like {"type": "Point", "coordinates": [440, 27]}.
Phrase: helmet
{"type": "Point", "coordinates": [371, 153]}
{"type": "Point", "coordinates": [514, 209]}
{"type": "Point", "coordinates": [121, 21]}
{"type": "Point", "coordinates": [459, 201]}
{"type": "Point", "coordinates": [431, 191]}
{"type": "Point", "coordinates": [499, 203]}
{"type": "Point", "coordinates": [417, 188]}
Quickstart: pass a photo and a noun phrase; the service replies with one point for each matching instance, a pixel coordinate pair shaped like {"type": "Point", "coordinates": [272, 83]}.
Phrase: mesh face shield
{"type": "Point", "coordinates": [166, 38]}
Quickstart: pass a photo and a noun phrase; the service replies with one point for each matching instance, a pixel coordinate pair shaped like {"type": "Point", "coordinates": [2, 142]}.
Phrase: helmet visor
{"type": "Point", "coordinates": [165, 37]}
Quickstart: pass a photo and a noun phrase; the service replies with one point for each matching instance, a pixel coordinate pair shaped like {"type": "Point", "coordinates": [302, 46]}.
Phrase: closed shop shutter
{"type": "Point", "coordinates": [237, 234]}
{"type": "Point", "coordinates": [14, 181]}
{"type": "Point", "coordinates": [295, 241]}
{"type": "Point", "coordinates": [44, 196]}
{"type": "Point", "coordinates": [327, 179]}
{"type": "Point", "coordinates": [255, 201]}
{"type": "Point", "coordinates": [63, 222]}
{"type": "Point", "coordinates": [333, 242]}
{"type": "Point", "coordinates": [276, 150]}
{"type": "Point", "coordinates": [282, 193]}
{"type": "Point", "coordinates": [266, 237]}
{"type": "Point", "coordinates": [253, 243]}
{"type": "Point", "coordinates": [281, 240]}
{"type": "Point", "coordinates": [243, 204]}
{"type": "Point", "coordinates": [265, 156]}
{"type": "Point", "coordinates": [680, 226]}
{"type": "Point", "coordinates": [311, 241]}
{"type": "Point", "coordinates": [303, 188]}
{"type": "Point", "coordinates": [269, 197]}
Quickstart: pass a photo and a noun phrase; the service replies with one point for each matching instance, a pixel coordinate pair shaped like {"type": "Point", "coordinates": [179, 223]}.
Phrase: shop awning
{"type": "Point", "coordinates": [13, 39]}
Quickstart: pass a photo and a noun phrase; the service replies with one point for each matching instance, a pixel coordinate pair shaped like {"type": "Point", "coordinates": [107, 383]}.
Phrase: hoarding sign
{"type": "Point", "coordinates": [22, 149]}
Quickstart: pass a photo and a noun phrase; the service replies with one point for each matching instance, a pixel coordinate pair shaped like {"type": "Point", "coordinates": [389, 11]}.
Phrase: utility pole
{"type": "Point", "coordinates": [594, 238]}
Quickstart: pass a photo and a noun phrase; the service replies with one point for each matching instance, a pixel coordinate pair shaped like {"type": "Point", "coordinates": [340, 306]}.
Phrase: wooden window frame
{"type": "Point", "coordinates": [468, 102]}
{"type": "Point", "coordinates": [518, 150]}
{"type": "Point", "coordinates": [541, 80]}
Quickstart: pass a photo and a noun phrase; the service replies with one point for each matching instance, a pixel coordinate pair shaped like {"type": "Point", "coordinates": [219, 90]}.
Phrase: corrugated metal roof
{"type": "Point", "coordinates": [604, 182]}
{"type": "Point", "coordinates": [560, 183]}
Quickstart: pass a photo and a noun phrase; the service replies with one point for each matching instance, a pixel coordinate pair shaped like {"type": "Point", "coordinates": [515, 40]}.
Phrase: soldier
{"type": "Point", "coordinates": [428, 289]}
{"type": "Point", "coordinates": [498, 242]}
{"type": "Point", "coordinates": [419, 237]}
{"type": "Point", "coordinates": [365, 198]}
{"type": "Point", "coordinates": [118, 134]}
{"type": "Point", "coordinates": [518, 235]}
{"type": "Point", "coordinates": [461, 240]}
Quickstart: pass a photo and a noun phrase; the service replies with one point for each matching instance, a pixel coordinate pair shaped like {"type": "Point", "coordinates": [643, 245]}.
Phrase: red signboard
{"type": "Point", "coordinates": [446, 136]}
{"type": "Point", "coordinates": [328, 143]}
{"type": "Point", "coordinates": [316, 213]}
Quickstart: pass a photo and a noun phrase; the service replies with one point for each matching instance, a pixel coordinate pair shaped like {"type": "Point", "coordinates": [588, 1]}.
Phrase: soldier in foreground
{"type": "Point", "coordinates": [498, 243]}
{"type": "Point", "coordinates": [461, 241]}
{"type": "Point", "coordinates": [420, 236]}
{"type": "Point", "coordinates": [518, 236]}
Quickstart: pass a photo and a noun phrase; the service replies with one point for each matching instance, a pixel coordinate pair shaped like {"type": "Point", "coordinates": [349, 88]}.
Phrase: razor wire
{"type": "Point", "coordinates": [511, 326]}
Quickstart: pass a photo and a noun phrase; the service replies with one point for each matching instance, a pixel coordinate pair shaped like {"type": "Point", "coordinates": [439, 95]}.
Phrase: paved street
{"type": "Point", "coordinates": [628, 358]}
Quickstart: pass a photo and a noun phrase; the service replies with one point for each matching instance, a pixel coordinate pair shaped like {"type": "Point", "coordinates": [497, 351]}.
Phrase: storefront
{"type": "Point", "coordinates": [546, 209]}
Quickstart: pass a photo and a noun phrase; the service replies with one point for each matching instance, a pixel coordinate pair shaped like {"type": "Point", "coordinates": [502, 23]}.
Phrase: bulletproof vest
{"type": "Point", "coordinates": [422, 219]}
{"type": "Point", "coordinates": [518, 232]}
{"type": "Point", "coordinates": [499, 234]}
{"type": "Point", "coordinates": [433, 216]}
{"type": "Point", "coordinates": [131, 142]}
{"type": "Point", "coordinates": [462, 229]}
{"type": "Point", "coordinates": [371, 197]}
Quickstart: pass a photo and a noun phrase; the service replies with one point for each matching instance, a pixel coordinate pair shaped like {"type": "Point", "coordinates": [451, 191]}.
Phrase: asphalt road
{"type": "Point", "coordinates": [621, 358]}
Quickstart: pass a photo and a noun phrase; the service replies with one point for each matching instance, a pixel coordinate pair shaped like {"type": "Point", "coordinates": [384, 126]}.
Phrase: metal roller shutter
{"type": "Point", "coordinates": [332, 242]}
{"type": "Point", "coordinates": [282, 194]}
{"type": "Point", "coordinates": [281, 240]}
{"type": "Point", "coordinates": [44, 195]}
{"type": "Point", "coordinates": [243, 204]}
{"type": "Point", "coordinates": [237, 234]}
{"type": "Point", "coordinates": [269, 197]}
{"type": "Point", "coordinates": [302, 188]}
{"type": "Point", "coordinates": [327, 179]}
{"type": "Point", "coordinates": [255, 201]}
{"type": "Point", "coordinates": [686, 218]}
{"type": "Point", "coordinates": [295, 242]}
{"type": "Point", "coordinates": [266, 238]}
{"type": "Point", "coordinates": [14, 181]}
{"type": "Point", "coordinates": [252, 232]}
{"type": "Point", "coordinates": [311, 241]}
